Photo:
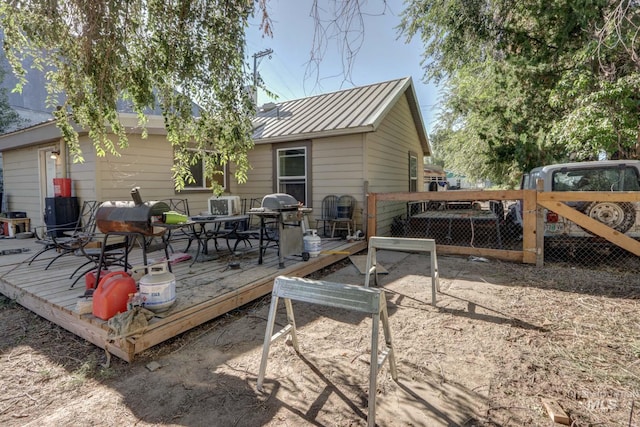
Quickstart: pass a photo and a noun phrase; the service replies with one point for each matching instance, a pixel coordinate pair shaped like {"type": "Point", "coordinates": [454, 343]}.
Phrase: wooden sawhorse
{"type": "Point", "coordinates": [357, 298]}
{"type": "Point", "coordinates": [403, 244]}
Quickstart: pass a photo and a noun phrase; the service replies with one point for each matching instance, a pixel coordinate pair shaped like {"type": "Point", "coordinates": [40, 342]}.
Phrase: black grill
{"type": "Point", "coordinates": [281, 220]}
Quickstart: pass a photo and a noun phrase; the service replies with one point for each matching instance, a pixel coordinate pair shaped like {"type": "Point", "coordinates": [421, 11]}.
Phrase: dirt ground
{"type": "Point", "coordinates": [503, 339]}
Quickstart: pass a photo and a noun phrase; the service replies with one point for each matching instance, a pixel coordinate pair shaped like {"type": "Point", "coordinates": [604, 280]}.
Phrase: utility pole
{"type": "Point", "coordinates": [257, 56]}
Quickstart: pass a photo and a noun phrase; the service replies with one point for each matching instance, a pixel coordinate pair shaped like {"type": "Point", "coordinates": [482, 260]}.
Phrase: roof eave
{"type": "Point", "coordinates": [33, 135]}
{"type": "Point", "coordinates": [417, 118]}
{"type": "Point", "coordinates": [408, 89]}
{"type": "Point", "coordinates": [48, 131]}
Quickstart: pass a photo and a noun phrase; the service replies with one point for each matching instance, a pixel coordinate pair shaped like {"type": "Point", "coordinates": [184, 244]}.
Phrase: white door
{"type": "Point", "coordinates": [47, 167]}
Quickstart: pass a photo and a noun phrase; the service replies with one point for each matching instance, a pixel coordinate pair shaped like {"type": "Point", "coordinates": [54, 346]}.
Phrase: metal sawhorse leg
{"type": "Point", "coordinates": [403, 244]}
{"type": "Point", "coordinates": [357, 298]}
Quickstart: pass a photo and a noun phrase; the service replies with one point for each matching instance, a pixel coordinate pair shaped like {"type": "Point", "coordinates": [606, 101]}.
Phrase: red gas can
{"type": "Point", "coordinates": [112, 294]}
{"type": "Point", "coordinates": [90, 278]}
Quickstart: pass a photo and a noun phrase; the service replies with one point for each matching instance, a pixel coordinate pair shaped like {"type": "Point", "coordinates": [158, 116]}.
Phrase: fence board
{"type": "Point", "coordinates": [594, 226]}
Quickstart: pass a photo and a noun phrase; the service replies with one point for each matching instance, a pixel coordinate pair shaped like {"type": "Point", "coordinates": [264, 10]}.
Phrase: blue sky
{"type": "Point", "coordinates": [383, 56]}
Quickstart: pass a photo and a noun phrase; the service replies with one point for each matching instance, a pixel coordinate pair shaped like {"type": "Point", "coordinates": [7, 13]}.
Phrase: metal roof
{"type": "Point", "coordinates": [345, 112]}
{"type": "Point", "coordinates": [349, 111]}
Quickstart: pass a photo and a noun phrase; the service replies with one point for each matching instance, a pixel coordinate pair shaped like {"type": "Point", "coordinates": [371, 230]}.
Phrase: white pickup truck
{"type": "Point", "coordinates": [605, 175]}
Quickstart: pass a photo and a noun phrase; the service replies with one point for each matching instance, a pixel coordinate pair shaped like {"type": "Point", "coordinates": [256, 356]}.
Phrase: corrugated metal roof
{"type": "Point", "coordinates": [349, 111]}
{"type": "Point", "coordinates": [356, 110]}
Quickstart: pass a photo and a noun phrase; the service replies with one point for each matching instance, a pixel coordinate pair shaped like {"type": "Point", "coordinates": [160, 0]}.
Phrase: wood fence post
{"type": "Point", "coordinates": [539, 226]}
{"type": "Point", "coordinates": [529, 248]}
{"type": "Point", "coordinates": [371, 214]}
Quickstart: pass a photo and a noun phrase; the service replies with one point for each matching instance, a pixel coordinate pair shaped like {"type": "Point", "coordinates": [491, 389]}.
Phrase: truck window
{"type": "Point", "coordinates": [530, 180]}
{"type": "Point", "coordinates": [596, 179]}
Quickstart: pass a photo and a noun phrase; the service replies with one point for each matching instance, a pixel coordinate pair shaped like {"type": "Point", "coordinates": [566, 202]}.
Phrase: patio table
{"type": "Point", "coordinates": [203, 228]}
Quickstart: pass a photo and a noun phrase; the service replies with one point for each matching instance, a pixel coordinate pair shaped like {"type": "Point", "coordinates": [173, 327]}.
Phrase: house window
{"type": "Point", "coordinates": [413, 172]}
{"type": "Point", "coordinates": [199, 173]}
{"type": "Point", "coordinates": [292, 172]}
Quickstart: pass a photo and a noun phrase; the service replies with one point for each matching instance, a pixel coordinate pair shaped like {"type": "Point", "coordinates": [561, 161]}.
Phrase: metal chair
{"type": "Point", "coordinates": [115, 252]}
{"type": "Point", "coordinates": [181, 206]}
{"type": "Point", "coordinates": [250, 229]}
{"type": "Point", "coordinates": [67, 238]}
{"type": "Point", "coordinates": [345, 212]}
{"type": "Point", "coordinates": [178, 205]}
{"type": "Point", "coordinates": [329, 212]}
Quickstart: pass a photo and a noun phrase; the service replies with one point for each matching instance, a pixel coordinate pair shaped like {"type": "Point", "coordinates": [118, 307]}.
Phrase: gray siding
{"type": "Point", "coordinates": [21, 170]}
{"type": "Point", "coordinates": [259, 177]}
{"type": "Point", "coordinates": [387, 153]}
{"type": "Point", "coordinates": [338, 168]}
{"type": "Point", "coordinates": [146, 163]}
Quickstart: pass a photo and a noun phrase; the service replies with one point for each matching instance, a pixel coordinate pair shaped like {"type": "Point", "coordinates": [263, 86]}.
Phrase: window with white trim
{"type": "Point", "coordinates": [292, 172]}
{"type": "Point", "coordinates": [413, 172]}
{"type": "Point", "coordinates": [199, 173]}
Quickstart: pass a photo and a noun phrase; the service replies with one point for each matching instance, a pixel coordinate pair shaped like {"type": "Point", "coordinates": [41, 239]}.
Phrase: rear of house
{"type": "Point", "coordinates": [367, 139]}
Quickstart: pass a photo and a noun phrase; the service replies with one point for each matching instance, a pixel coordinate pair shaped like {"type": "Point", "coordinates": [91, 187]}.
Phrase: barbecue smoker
{"type": "Point", "coordinates": [131, 217]}
{"type": "Point", "coordinates": [132, 220]}
{"type": "Point", "coordinates": [281, 220]}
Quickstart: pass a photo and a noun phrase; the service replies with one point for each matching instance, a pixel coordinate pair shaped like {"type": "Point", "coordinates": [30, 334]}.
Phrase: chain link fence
{"type": "Point", "coordinates": [494, 226]}
{"type": "Point", "coordinates": [566, 241]}
{"type": "Point", "coordinates": [477, 224]}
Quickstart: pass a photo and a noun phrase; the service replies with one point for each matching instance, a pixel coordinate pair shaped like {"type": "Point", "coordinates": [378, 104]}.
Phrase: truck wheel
{"type": "Point", "coordinates": [620, 216]}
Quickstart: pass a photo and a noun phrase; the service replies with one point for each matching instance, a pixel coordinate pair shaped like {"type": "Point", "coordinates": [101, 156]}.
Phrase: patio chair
{"type": "Point", "coordinates": [182, 207]}
{"type": "Point", "coordinates": [250, 229]}
{"type": "Point", "coordinates": [345, 217]}
{"type": "Point", "coordinates": [66, 238]}
{"type": "Point", "coordinates": [116, 250]}
{"type": "Point", "coordinates": [328, 212]}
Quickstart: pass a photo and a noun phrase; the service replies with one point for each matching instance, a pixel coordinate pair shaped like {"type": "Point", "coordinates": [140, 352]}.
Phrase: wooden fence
{"type": "Point", "coordinates": [535, 203]}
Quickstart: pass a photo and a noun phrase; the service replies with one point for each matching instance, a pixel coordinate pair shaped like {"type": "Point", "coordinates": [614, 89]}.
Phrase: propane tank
{"type": "Point", "coordinates": [158, 288]}
{"type": "Point", "coordinates": [312, 243]}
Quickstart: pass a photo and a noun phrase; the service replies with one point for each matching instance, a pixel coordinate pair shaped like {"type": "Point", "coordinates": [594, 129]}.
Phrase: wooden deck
{"type": "Point", "coordinates": [204, 291]}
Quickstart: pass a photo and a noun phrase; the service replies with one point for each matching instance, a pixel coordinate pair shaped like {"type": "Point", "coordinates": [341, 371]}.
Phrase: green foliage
{"type": "Point", "coordinates": [8, 116]}
{"type": "Point", "coordinates": [166, 54]}
{"type": "Point", "coordinates": [530, 82]}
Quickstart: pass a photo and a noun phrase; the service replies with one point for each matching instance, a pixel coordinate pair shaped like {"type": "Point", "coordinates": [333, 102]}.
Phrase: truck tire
{"type": "Point", "coordinates": [618, 215]}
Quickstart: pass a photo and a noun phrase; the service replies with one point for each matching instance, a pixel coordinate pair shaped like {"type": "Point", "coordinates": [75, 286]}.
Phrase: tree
{"type": "Point", "coordinates": [531, 82]}
{"type": "Point", "coordinates": [8, 119]}
{"type": "Point", "coordinates": [8, 116]}
{"type": "Point", "coordinates": [169, 54]}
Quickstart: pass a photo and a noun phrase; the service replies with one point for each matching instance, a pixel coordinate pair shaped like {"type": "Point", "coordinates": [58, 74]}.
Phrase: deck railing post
{"type": "Point", "coordinates": [371, 215]}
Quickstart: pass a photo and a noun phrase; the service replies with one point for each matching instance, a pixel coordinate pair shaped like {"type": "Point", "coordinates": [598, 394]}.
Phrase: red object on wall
{"type": "Point", "coordinates": [62, 187]}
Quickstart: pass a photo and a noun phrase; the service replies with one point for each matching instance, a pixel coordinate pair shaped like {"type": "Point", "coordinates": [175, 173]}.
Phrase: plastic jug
{"type": "Point", "coordinates": [112, 294]}
{"type": "Point", "coordinates": [90, 278]}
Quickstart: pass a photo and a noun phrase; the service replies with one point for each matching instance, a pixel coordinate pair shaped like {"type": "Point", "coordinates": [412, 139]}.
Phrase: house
{"type": "Point", "coordinates": [366, 139]}
{"type": "Point", "coordinates": [435, 178]}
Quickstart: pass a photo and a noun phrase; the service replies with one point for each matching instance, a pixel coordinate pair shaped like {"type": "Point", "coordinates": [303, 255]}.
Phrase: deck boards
{"type": "Point", "coordinates": [204, 291]}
